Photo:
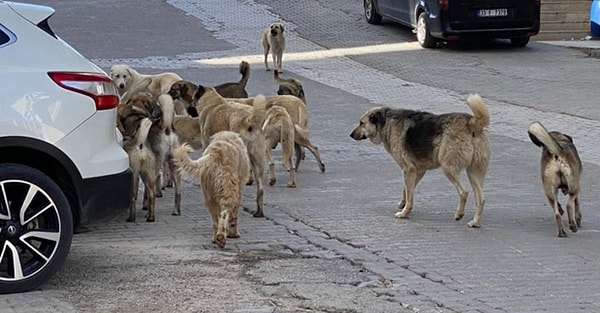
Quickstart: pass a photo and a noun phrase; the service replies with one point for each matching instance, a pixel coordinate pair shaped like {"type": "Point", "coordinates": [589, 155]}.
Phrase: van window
{"type": "Point", "coordinates": [6, 37]}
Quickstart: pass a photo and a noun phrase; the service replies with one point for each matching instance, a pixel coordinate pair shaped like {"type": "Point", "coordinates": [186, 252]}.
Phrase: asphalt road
{"type": "Point", "coordinates": [333, 244]}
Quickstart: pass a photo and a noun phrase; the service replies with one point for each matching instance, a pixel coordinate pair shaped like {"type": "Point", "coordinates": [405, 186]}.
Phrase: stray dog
{"type": "Point", "coordinates": [125, 77]}
{"type": "Point", "coordinates": [299, 114]}
{"type": "Point", "coordinates": [561, 169]}
{"type": "Point", "coordinates": [143, 165]}
{"type": "Point", "coordinates": [187, 129]}
{"type": "Point", "coordinates": [289, 86]}
{"type": "Point", "coordinates": [421, 141]}
{"type": "Point", "coordinates": [130, 114]}
{"type": "Point", "coordinates": [185, 90]}
{"type": "Point", "coordinates": [278, 127]}
{"type": "Point", "coordinates": [273, 40]}
{"type": "Point", "coordinates": [223, 170]}
{"type": "Point", "coordinates": [217, 114]}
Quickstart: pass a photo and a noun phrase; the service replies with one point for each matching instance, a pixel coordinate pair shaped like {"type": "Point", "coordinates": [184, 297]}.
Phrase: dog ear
{"type": "Point", "coordinates": [377, 118]}
{"type": "Point", "coordinates": [199, 92]}
{"type": "Point", "coordinates": [535, 140]}
{"type": "Point", "coordinates": [569, 137]}
{"type": "Point", "coordinates": [281, 26]}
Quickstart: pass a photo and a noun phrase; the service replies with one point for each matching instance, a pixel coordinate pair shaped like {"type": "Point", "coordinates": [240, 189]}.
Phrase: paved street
{"type": "Point", "coordinates": [332, 244]}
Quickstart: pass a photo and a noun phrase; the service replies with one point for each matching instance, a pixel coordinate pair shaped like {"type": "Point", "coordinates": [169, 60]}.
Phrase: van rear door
{"type": "Point", "coordinates": [495, 14]}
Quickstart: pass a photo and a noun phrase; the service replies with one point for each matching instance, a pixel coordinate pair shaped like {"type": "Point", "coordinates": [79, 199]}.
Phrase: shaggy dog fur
{"type": "Point", "coordinates": [278, 127]}
{"type": "Point", "coordinates": [421, 141]}
{"type": "Point", "coordinates": [142, 162]}
{"type": "Point", "coordinates": [289, 86]}
{"type": "Point", "coordinates": [216, 114]}
{"type": "Point", "coordinates": [222, 170]}
{"type": "Point", "coordinates": [273, 39]}
{"type": "Point", "coordinates": [299, 114]}
{"type": "Point", "coordinates": [561, 169]}
{"type": "Point", "coordinates": [126, 77]}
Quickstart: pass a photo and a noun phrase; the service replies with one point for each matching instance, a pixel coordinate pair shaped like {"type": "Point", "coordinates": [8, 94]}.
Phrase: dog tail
{"type": "Point", "coordinates": [481, 117]}
{"type": "Point", "coordinates": [142, 134]}
{"type": "Point", "coordinates": [190, 169]}
{"type": "Point", "coordinates": [541, 138]}
{"type": "Point", "coordinates": [245, 72]}
{"type": "Point", "coordinates": [259, 113]}
{"type": "Point", "coordinates": [168, 109]}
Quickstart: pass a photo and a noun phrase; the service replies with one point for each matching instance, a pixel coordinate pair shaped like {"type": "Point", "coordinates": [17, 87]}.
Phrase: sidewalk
{"type": "Point", "coordinates": [590, 47]}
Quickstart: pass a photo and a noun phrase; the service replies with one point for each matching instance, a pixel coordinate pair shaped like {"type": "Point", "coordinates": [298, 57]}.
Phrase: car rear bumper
{"type": "Point", "coordinates": [440, 28]}
{"type": "Point", "coordinates": [105, 197]}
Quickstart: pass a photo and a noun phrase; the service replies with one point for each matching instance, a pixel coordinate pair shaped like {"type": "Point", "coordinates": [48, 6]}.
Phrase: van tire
{"type": "Point", "coordinates": [519, 41]}
{"type": "Point", "coordinates": [423, 35]}
{"type": "Point", "coordinates": [371, 12]}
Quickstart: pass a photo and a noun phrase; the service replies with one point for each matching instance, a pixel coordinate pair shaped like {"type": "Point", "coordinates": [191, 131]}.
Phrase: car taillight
{"type": "Point", "coordinates": [97, 86]}
{"type": "Point", "coordinates": [444, 4]}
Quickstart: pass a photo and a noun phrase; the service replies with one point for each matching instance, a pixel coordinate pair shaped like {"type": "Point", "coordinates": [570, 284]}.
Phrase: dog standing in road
{"type": "Point", "coordinates": [421, 141]}
{"type": "Point", "coordinates": [279, 128]}
{"type": "Point", "coordinates": [561, 169]}
{"type": "Point", "coordinates": [289, 86]}
{"type": "Point", "coordinates": [125, 77]}
{"type": "Point", "coordinates": [223, 171]}
{"type": "Point", "coordinates": [273, 39]}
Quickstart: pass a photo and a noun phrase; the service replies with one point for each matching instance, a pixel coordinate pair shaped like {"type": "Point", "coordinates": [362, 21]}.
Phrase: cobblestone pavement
{"type": "Point", "coordinates": [332, 244]}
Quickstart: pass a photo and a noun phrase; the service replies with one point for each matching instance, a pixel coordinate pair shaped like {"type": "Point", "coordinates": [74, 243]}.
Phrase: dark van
{"type": "Point", "coordinates": [444, 20]}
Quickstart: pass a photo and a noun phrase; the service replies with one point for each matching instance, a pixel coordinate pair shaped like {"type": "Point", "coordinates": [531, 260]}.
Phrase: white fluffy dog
{"type": "Point", "coordinates": [126, 77]}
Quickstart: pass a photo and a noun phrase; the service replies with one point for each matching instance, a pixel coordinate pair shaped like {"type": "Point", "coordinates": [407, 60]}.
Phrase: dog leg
{"type": "Point", "coordinates": [571, 212]}
{"type": "Point", "coordinates": [177, 184]}
{"type": "Point", "coordinates": [557, 216]}
{"type": "Point", "coordinates": [577, 211]}
{"type": "Point", "coordinates": [214, 215]}
{"type": "Point", "coordinates": [257, 165]}
{"type": "Point", "coordinates": [453, 175]}
{"type": "Point", "coordinates": [150, 185]}
{"type": "Point", "coordinates": [305, 142]}
{"type": "Point", "coordinates": [232, 231]}
{"type": "Point", "coordinates": [402, 202]}
{"type": "Point", "coordinates": [132, 205]}
{"type": "Point", "coordinates": [279, 62]}
{"type": "Point", "coordinates": [274, 56]}
{"type": "Point", "coordinates": [269, 157]}
{"type": "Point", "coordinates": [410, 182]}
{"type": "Point", "coordinates": [223, 223]}
{"type": "Point", "coordinates": [476, 180]}
{"type": "Point", "coordinates": [266, 49]}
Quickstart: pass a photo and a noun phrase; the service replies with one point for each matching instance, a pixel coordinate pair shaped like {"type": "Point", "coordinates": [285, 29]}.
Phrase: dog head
{"type": "Point", "coordinates": [139, 106]}
{"type": "Point", "coordinates": [289, 86]}
{"type": "Point", "coordinates": [183, 90]}
{"type": "Point", "coordinates": [122, 76]}
{"type": "Point", "coordinates": [370, 125]}
{"type": "Point", "coordinates": [276, 29]}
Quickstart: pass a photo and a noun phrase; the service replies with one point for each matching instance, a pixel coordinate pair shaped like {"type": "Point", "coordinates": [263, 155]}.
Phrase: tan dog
{"type": "Point", "coordinates": [223, 170]}
{"type": "Point", "coordinates": [126, 77]}
{"type": "Point", "coordinates": [421, 141]}
{"type": "Point", "coordinates": [217, 114]}
{"type": "Point", "coordinates": [187, 129]}
{"type": "Point", "coordinates": [279, 128]}
{"type": "Point", "coordinates": [289, 86]}
{"type": "Point", "coordinates": [273, 40]}
{"type": "Point", "coordinates": [561, 169]}
{"type": "Point", "coordinates": [299, 114]}
{"type": "Point", "coordinates": [142, 162]}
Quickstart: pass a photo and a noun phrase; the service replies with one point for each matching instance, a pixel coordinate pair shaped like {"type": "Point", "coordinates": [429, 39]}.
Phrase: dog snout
{"type": "Point", "coordinates": [273, 32]}
{"type": "Point", "coordinates": [357, 135]}
{"type": "Point", "coordinates": [174, 94]}
{"type": "Point", "coordinates": [121, 85]}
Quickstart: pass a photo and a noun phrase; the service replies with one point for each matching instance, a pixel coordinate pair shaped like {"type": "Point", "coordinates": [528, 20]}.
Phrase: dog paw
{"type": "Point", "coordinates": [233, 235]}
{"type": "Point", "coordinates": [272, 182]}
{"type": "Point", "coordinates": [267, 69]}
{"type": "Point", "coordinates": [458, 217]}
{"type": "Point", "coordinates": [150, 219]}
{"type": "Point", "coordinates": [176, 212]}
{"type": "Point", "coordinates": [573, 227]}
{"type": "Point", "coordinates": [473, 224]}
{"type": "Point", "coordinates": [258, 214]}
{"type": "Point", "coordinates": [220, 241]}
{"type": "Point", "coordinates": [562, 233]}
{"type": "Point", "coordinates": [322, 167]}
{"type": "Point", "coordinates": [401, 214]}
{"type": "Point", "coordinates": [130, 220]}
{"type": "Point", "coordinates": [291, 185]}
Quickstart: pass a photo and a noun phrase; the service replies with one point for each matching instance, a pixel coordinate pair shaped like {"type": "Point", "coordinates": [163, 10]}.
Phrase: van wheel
{"type": "Point", "coordinates": [36, 228]}
{"type": "Point", "coordinates": [519, 42]}
{"type": "Point", "coordinates": [371, 13]}
{"type": "Point", "coordinates": [423, 36]}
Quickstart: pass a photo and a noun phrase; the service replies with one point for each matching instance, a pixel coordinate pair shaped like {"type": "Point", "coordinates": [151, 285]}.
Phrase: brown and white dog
{"type": "Point", "coordinates": [561, 169]}
{"type": "Point", "coordinates": [289, 86]}
{"type": "Point", "coordinates": [222, 170]}
{"type": "Point", "coordinates": [279, 128]}
{"type": "Point", "coordinates": [421, 141]}
{"type": "Point", "coordinates": [273, 39]}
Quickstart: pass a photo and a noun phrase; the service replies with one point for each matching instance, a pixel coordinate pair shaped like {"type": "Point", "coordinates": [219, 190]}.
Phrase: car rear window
{"type": "Point", "coordinates": [6, 37]}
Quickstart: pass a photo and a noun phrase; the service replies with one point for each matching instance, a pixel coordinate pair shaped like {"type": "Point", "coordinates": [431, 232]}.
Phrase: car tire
{"type": "Point", "coordinates": [36, 228]}
{"type": "Point", "coordinates": [423, 35]}
{"type": "Point", "coordinates": [371, 13]}
{"type": "Point", "coordinates": [519, 41]}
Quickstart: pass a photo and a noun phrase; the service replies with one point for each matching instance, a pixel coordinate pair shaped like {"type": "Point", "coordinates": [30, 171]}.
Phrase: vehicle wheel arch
{"type": "Point", "coordinates": [50, 161]}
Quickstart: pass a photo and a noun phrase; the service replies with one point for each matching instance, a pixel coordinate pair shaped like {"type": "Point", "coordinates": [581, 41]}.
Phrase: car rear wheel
{"type": "Point", "coordinates": [36, 228]}
{"type": "Point", "coordinates": [519, 42]}
{"type": "Point", "coordinates": [423, 35]}
{"type": "Point", "coordinates": [371, 13]}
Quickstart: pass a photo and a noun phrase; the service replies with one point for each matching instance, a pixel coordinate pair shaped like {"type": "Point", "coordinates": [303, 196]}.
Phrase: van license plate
{"type": "Point", "coordinates": [492, 12]}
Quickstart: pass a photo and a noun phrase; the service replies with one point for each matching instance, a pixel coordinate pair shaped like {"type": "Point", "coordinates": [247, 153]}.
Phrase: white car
{"type": "Point", "coordinates": [62, 164]}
